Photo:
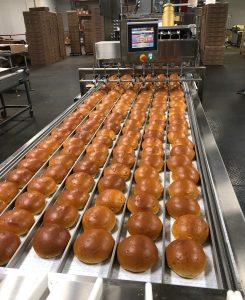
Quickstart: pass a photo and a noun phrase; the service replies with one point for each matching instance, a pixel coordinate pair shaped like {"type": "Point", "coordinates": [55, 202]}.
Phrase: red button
{"type": "Point", "coordinates": [143, 58]}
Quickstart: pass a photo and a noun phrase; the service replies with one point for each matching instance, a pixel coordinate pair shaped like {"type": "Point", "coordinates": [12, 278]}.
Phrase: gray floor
{"type": "Point", "coordinates": [56, 85]}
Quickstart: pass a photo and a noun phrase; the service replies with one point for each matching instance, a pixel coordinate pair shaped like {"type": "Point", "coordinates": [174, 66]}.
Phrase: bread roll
{"type": "Point", "coordinates": [19, 176]}
{"type": "Point", "coordinates": [57, 172]}
{"type": "Point", "coordinates": [74, 197]}
{"type": "Point", "coordinates": [186, 258]}
{"type": "Point", "coordinates": [50, 240]}
{"type": "Point", "coordinates": [17, 220]}
{"type": "Point", "coordinates": [37, 153]}
{"type": "Point", "coordinates": [105, 140]}
{"type": "Point", "coordinates": [62, 159]}
{"type": "Point", "coordinates": [124, 158]}
{"type": "Point", "coordinates": [72, 150]}
{"type": "Point", "coordinates": [155, 161]}
{"type": "Point", "coordinates": [88, 166]}
{"type": "Point", "coordinates": [191, 227]}
{"type": "Point", "coordinates": [8, 190]}
{"type": "Point", "coordinates": [180, 160]}
{"type": "Point", "coordinates": [81, 181]}
{"type": "Point", "coordinates": [143, 202]}
{"type": "Point", "coordinates": [111, 198]}
{"type": "Point", "coordinates": [93, 246]}
{"type": "Point", "coordinates": [97, 157]}
{"type": "Point", "coordinates": [111, 182]}
{"type": "Point", "coordinates": [183, 187]}
{"type": "Point", "coordinates": [43, 184]}
{"type": "Point", "coordinates": [145, 171]}
{"type": "Point", "coordinates": [2, 205]}
{"type": "Point", "coordinates": [9, 243]}
{"type": "Point", "coordinates": [145, 222]}
{"type": "Point", "coordinates": [185, 172]}
{"type": "Point", "coordinates": [50, 144]}
{"type": "Point", "coordinates": [183, 149]}
{"type": "Point", "coordinates": [137, 253]}
{"type": "Point", "coordinates": [182, 205]}
{"type": "Point", "coordinates": [118, 169]}
{"type": "Point", "coordinates": [149, 185]}
{"type": "Point", "coordinates": [183, 141]}
{"type": "Point", "coordinates": [99, 217]}
{"type": "Point", "coordinates": [34, 202]}
{"type": "Point", "coordinates": [32, 164]}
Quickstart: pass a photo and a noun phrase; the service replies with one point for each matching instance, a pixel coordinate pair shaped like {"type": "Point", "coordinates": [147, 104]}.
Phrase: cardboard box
{"type": "Point", "coordinates": [14, 48]}
{"type": "Point", "coordinates": [213, 55]}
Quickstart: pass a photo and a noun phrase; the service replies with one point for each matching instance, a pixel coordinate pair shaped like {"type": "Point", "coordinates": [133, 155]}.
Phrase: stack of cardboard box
{"type": "Point", "coordinates": [93, 30]}
{"type": "Point", "coordinates": [61, 35]}
{"type": "Point", "coordinates": [213, 33]}
{"type": "Point", "coordinates": [42, 36]}
{"type": "Point", "coordinates": [242, 46]}
{"type": "Point", "coordinates": [74, 34]}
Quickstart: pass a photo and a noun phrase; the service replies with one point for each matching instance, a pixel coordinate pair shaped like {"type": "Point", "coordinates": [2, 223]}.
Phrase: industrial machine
{"type": "Point", "coordinates": [143, 58]}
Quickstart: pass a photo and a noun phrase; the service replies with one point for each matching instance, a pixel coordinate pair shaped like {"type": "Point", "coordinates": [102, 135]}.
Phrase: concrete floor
{"type": "Point", "coordinates": [56, 85]}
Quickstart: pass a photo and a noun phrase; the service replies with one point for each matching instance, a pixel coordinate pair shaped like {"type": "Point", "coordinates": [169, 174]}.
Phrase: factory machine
{"type": "Point", "coordinates": [147, 60]}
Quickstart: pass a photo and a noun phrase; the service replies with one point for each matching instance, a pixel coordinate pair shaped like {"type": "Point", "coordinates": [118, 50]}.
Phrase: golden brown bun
{"type": "Point", "coordinates": [128, 140]}
{"type": "Point", "coordinates": [124, 158]}
{"type": "Point", "coordinates": [2, 205]}
{"type": "Point", "coordinates": [123, 149]}
{"type": "Point", "coordinates": [111, 198]}
{"type": "Point", "coordinates": [72, 150]}
{"type": "Point", "coordinates": [106, 132]}
{"type": "Point", "coordinates": [8, 190]}
{"type": "Point", "coordinates": [191, 227]}
{"type": "Point", "coordinates": [57, 172]}
{"type": "Point", "coordinates": [20, 176]}
{"type": "Point", "coordinates": [174, 135]}
{"type": "Point", "coordinates": [93, 246]}
{"type": "Point", "coordinates": [143, 202]}
{"type": "Point", "coordinates": [137, 253]}
{"type": "Point", "coordinates": [64, 215]}
{"type": "Point", "coordinates": [85, 135]}
{"type": "Point", "coordinates": [62, 159]}
{"type": "Point", "coordinates": [99, 217]}
{"type": "Point", "coordinates": [43, 184]}
{"type": "Point", "coordinates": [182, 205]}
{"type": "Point", "coordinates": [50, 144]}
{"type": "Point", "coordinates": [154, 134]}
{"type": "Point", "coordinates": [73, 142]}
{"type": "Point", "coordinates": [118, 169]}
{"type": "Point", "coordinates": [97, 157]}
{"type": "Point", "coordinates": [186, 172]}
{"type": "Point", "coordinates": [154, 161]}
{"type": "Point", "coordinates": [152, 142]}
{"type": "Point", "coordinates": [145, 171]}
{"type": "Point", "coordinates": [149, 185]}
{"type": "Point", "coordinates": [60, 133]}
{"type": "Point", "coordinates": [183, 141]}
{"type": "Point", "coordinates": [183, 187]}
{"type": "Point", "coordinates": [111, 182]}
{"type": "Point", "coordinates": [74, 197]}
{"type": "Point", "coordinates": [9, 243]}
{"type": "Point", "coordinates": [115, 127]}
{"type": "Point", "coordinates": [31, 164]}
{"type": "Point", "coordinates": [50, 240]}
{"type": "Point", "coordinates": [183, 149]}
{"type": "Point", "coordinates": [80, 180]}
{"type": "Point", "coordinates": [37, 153]}
{"type": "Point", "coordinates": [145, 222]}
{"type": "Point", "coordinates": [152, 151]}
{"type": "Point", "coordinates": [180, 160]}
{"type": "Point", "coordinates": [97, 147]}
{"type": "Point", "coordinates": [103, 140]}
{"type": "Point", "coordinates": [33, 202]}
{"type": "Point", "coordinates": [186, 258]}
{"type": "Point", "coordinates": [88, 166]}
{"type": "Point", "coordinates": [17, 220]}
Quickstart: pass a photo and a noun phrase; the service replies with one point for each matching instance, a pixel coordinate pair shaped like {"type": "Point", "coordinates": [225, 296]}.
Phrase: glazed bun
{"type": "Point", "coordinates": [99, 217]}
{"type": "Point", "coordinates": [2, 205]}
{"type": "Point", "coordinates": [37, 153]}
{"type": "Point", "coordinates": [57, 172]}
{"type": "Point", "coordinates": [183, 187]}
{"type": "Point", "coordinates": [9, 243]}
{"type": "Point", "coordinates": [64, 215]}
{"type": "Point", "coordinates": [154, 161]}
{"type": "Point", "coordinates": [152, 142]}
{"type": "Point", "coordinates": [180, 160]}
{"type": "Point", "coordinates": [174, 135]}
{"type": "Point", "coordinates": [88, 166]}
{"type": "Point", "coordinates": [104, 140]}
{"type": "Point", "coordinates": [32, 164]}
{"type": "Point", "coordinates": [183, 149]}
{"type": "Point", "coordinates": [145, 171]}
{"type": "Point", "coordinates": [137, 253]}
{"type": "Point", "coordinates": [43, 184]}
{"type": "Point", "coordinates": [124, 158]}
{"type": "Point", "coordinates": [118, 169]}
{"type": "Point", "coordinates": [149, 185]}
{"type": "Point", "coordinates": [50, 240]}
{"type": "Point", "coordinates": [19, 176]}
{"type": "Point", "coordinates": [186, 258]}
{"type": "Point", "coordinates": [80, 180]}
{"type": "Point", "coordinates": [50, 144]}
{"type": "Point", "coordinates": [93, 246]}
{"type": "Point", "coordinates": [74, 197]}
{"type": "Point", "coordinates": [73, 141]}
{"type": "Point", "coordinates": [145, 222]}
{"type": "Point", "coordinates": [62, 159]}
{"type": "Point", "coordinates": [17, 220]}
{"type": "Point", "coordinates": [191, 227]}
{"type": "Point", "coordinates": [186, 172]}
{"type": "Point", "coordinates": [34, 202]}
{"type": "Point", "coordinates": [72, 150]}
{"type": "Point", "coordinates": [183, 141]}
{"type": "Point", "coordinates": [96, 156]}
{"type": "Point", "coordinates": [106, 132]}
{"type": "Point", "coordinates": [182, 205]}
{"type": "Point", "coordinates": [8, 190]}
{"type": "Point", "coordinates": [143, 202]}
{"type": "Point", "coordinates": [111, 198]}
{"type": "Point", "coordinates": [111, 182]}
{"type": "Point", "coordinates": [152, 151]}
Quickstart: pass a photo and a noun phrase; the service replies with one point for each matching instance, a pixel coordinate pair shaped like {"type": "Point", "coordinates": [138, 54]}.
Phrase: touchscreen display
{"type": "Point", "coordinates": [142, 37]}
